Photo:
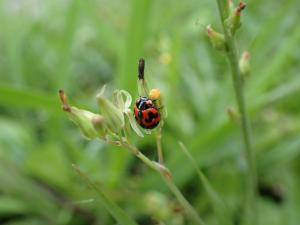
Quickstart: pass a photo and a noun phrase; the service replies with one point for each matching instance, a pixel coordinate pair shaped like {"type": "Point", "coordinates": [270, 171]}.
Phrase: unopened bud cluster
{"type": "Point", "coordinates": [116, 117]}
{"type": "Point", "coordinates": [244, 64]}
{"type": "Point", "coordinates": [110, 123]}
{"type": "Point", "coordinates": [232, 24]}
{"type": "Point", "coordinates": [217, 39]}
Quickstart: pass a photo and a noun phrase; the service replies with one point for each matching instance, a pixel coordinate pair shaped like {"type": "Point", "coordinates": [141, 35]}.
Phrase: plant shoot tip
{"type": "Point", "coordinates": [241, 7]}
{"type": "Point", "coordinates": [64, 101]}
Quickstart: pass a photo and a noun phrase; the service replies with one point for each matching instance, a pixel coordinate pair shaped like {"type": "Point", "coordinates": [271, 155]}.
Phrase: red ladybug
{"type": "Point", "coordinates": [145, 113]}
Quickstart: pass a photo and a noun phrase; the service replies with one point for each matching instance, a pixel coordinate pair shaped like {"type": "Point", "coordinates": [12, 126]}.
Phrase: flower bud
{"type": "Point", "coordinates": [217, 39]}
{"type": "Point", "coordinates": [91, 125]}
{"type": "Point", "coordinates": [157, 100]}
{"type": "Point", "coordinates": [232, 114]}
{"type": "Point", "coordinates": [154, 94]}
{"type": "Point", "coordinates": [113, 116]}
{"type": "Point", "coordinates": [98, 122]}
{"type": "Point", "coordinates": [122, 99]}
{"type": "Point", "coordinates": [233, 22]}
{"type": "Point", "coordinates": [244, 64]}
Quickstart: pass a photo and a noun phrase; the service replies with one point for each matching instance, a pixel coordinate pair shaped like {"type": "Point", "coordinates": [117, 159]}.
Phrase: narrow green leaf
{"type": "Point", "coordinates": [120, 216]}
{"type": "Point", "coordinates": [12, 205]}
{"type": "Point", "coordinates": [217, 203]}
{"type": "Point", "coordinates": [134, 44]}
{"type": "Point", "coordinates": [279, 63]}
{"type": "Point", "coordinates": [11, 96]}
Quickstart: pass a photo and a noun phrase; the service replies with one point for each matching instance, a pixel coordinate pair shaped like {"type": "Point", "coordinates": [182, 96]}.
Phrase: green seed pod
{"type": "Point", "coordinates": [85, 120]}
{"type": "Point", "coordinates": [232, 114]}
{"type": "Point", "coordinates": [99, 124]}
{"type": "Point", "coordinates": [244, 64]}
{"type": "Point", "coordinates": [91, 125]}
{"type": "Point", "coordinates": [122, 99]}
{"type": "Point", "coordinates": [233, 22]}
{"type": "Point", "coordinates": [113, 116]}
{"type": "Point", "coordinates": [217, 39]}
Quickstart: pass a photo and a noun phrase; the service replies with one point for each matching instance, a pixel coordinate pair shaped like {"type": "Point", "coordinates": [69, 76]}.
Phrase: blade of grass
{"type": "Point", "coordinates": [120, 216]}
{"type": "Point", "coordinates": [12, 44]}
{"type": "Point", "coordinates": [177, 164]}
{"type": "Point", "coordinates": [279, 93]}
{"type": "Point", "coordinates": [106, 33]}
{"type": "Point", "coordinates": [277, 156]}
{"type": "Point", "coordinates": [11, 96]}
{"type": "Point", "coordinates": [279, 64]}
{"type": "Point", "coordinates": [134, 44]}
{"type": "Point", "coordinates": [217, 203]}
{"type": "Point", "coordinates": [167, 177]}
{"type": "Point", "coordinates": [268, 29]}
{"type": "Point", "coordinates": [189, 209]}
{"type": "Point", "coordinates": [71, 21]}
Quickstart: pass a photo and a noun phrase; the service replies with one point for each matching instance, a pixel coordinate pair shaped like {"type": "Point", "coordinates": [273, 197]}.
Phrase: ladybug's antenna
{"type": "Point", "coordinates": [141, 68]}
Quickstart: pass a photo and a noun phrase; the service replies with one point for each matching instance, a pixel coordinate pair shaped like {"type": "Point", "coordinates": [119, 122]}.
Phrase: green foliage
{"type": "Point", "coordinates": [116, 212]}
{"type": "Point", "coordinates": [81, 45]}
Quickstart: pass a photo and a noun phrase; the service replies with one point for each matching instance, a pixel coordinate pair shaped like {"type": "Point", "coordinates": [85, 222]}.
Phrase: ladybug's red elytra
{"type": "Point", "coordinates": [145, 113]}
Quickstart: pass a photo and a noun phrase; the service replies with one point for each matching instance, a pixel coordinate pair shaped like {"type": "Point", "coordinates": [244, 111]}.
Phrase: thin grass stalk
{"type": "Point", "coordinates": [250, 203]}
{"type": "Point", "coordinates": [167, 177]}
{"type": "Point", "coordinates": [120, 216]}
{"type": "Point", "coordinates": [159, 146]}
{"type": "Point", "coordinates": [219, 206]}
{"type": "Point", "coordinates": [189, 209]}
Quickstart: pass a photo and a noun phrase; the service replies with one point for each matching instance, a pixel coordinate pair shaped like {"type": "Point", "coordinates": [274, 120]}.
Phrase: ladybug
{"type": "Point", "coordinates": [145, 113]}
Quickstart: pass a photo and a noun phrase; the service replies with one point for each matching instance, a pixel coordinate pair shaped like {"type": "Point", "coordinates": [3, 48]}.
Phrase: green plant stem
{"type": "Point", "coordinates": [159, 146]}
{"type": "Point", "coordinates": [172, 186]}
{"type": "Point", "coordinates": [218, 204]}
{"type": "Point", "coordinates": [120, 215]}
{"type": "Point", "coordinates": [167, 177]}
{"type": "Point", "coordinates": [189, 209]}
{"type": "Point", "coordinates": [250, 207]}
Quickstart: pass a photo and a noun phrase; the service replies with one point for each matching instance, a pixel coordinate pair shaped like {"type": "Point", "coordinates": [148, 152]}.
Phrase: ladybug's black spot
{"type": "Point", "coordinates": [151, 116]}
{"type": "Point", "coordinates": [150, 125]}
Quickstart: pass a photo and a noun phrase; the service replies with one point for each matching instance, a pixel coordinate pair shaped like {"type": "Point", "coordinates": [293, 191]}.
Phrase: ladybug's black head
{"type": "Point", "coordinates": [144, 103]}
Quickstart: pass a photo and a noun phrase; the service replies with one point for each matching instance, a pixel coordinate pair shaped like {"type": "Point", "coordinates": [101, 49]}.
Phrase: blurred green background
{"type": "Point", "coordinates": [79, 45]}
